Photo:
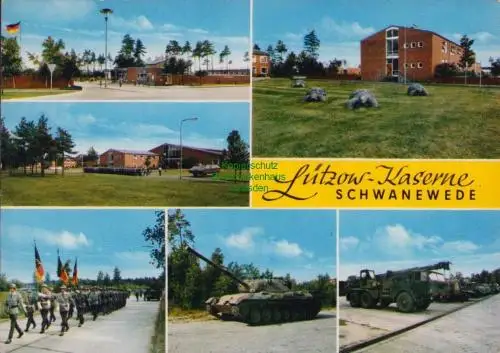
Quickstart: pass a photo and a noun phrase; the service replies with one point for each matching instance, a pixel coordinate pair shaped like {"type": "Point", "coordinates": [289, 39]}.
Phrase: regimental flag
{"type": "Point", "coordinates": [39, 270]}
{"type": "Point", "coordinates": [14, 28]}
{"type": "Point", "coordinates": [61, 272]}
{"type": "Point", "coordinates": [75, 274]}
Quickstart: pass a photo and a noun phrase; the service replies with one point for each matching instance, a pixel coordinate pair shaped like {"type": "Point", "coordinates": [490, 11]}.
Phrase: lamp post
{"type": "Point", "coordinates": [106, 12]}
{"type": "Point", "coordinates": [180, 143]}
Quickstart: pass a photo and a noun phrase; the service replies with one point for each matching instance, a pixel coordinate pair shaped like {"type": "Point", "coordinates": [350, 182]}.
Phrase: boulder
{"type": "Point", "coordinates": [416, 89]}
{"type": "Point", "coordinates": [316, 95]}
{"type": "Point", "coordinates": [362, 98]}
{"type": "Point", "coordinates": [299, 83]}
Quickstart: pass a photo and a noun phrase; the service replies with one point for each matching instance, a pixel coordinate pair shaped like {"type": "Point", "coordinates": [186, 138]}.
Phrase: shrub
{"type": "Point", "coordinates": [116, 171]}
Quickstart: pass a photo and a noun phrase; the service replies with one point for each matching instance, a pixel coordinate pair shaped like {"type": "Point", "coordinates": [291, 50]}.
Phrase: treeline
{"type": "Point", "coordinates": [306, 62]}
{"type": "Point", "coordinates": [190, 284]}
{"type": "Point", "coordinates": [483, 277]}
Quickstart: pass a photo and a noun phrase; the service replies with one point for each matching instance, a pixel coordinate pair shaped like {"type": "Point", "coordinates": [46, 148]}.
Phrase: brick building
{"type": "Point", "coordinates": [387, 53]}
{"type": "Point", "coordinates": [70, 163]}
{"type": "Point", "coordinates": [128, 159]}
{"type": "Point", "coordinates": [261, 63]}
{"type": "Point", "coordinates": [170, 155]}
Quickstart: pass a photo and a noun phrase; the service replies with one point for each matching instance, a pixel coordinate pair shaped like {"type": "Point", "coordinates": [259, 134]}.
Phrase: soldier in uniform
{"type": "Point", "coordinates": [45, 300]}
{"type": "Point", "coordinates": [30, 310]}
{"type": "Point", "coordinates": [13, 303]}
{"type": "Point", "coordinates": [53, 303]}
{"type": "Point", "coordinates": [80, 304]}
{"type": "Point", "coordinates": [64, 299]}
{"type": "Point", "coordinates": [94, 302]}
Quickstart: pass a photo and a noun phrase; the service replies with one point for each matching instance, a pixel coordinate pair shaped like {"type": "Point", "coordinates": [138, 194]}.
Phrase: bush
{"type": "Point", "coordinates": [116, 171]}
{"type": "Point", "coordinates": [201, 73]}
{"type": "Point", "coordinates": [72, 88]}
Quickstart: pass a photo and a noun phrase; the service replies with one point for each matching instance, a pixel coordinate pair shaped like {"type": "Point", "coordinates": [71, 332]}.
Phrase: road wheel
{"type": "Point", "coordinates": [354, 300]}
{"type": "Point", "coordinates": [266, 315]}
{"type": "Point", "coordinates": [255, 317]}
{"type": "Point", "coordinates": [405, 303]}
{"type": "Point", "coordinates": [285, 314]}
{"type": "Point", "coordinates": [276, 315]}
{"type": "Point", "coordinates": [295, 315]}
{"type": "Point", "coordinates": [366, 300]}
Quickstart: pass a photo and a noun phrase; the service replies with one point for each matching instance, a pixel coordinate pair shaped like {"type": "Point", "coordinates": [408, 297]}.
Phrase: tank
{"type": "Point", "coordinates": [261, 301]}
{"type": "Point", "coordinates": [204, 170]}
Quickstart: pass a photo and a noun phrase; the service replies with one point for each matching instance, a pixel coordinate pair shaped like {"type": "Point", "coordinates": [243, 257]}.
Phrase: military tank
{"type": "Point", "coordinates": [204, 170]}
{"type": "Point", "coordinates": [261, 301]}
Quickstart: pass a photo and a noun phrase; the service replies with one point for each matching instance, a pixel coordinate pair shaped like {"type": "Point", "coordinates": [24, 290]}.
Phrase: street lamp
{"type": "Point", "coordinates": [106, 12]}
{"type": "Point", "coordinates": [180, 144]}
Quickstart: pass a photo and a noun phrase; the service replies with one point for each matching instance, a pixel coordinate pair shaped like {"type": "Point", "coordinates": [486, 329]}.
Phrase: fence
{"type": "Point", "coordinates": [34, 82]}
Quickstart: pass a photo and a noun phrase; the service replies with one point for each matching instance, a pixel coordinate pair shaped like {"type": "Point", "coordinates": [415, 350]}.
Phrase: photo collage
{"type": "Point", "coordinates": [249, 176]}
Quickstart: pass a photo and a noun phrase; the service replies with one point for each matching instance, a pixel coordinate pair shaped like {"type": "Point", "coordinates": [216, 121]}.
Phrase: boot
{"type": "Point", "coordinates": [8, 341]}
{"type": "Point", "coordinates": [21, 333]}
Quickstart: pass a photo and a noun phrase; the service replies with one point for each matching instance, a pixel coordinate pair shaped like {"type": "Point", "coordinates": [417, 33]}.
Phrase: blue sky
{"type": "Point", "coordinates": [384, 240]}
{"type": "Point", "coordinates": [301, 243]}
{"type": "Point", "coordinates": [155, 22]}
{"type": "Point", "coordinates": [101, 239]}
{"type": "Point", "coordinates": [137, 126]}
{"type": "Point", "coordinates": [341, 24]}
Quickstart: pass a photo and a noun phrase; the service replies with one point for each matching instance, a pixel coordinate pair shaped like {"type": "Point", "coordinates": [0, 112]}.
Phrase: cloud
{"type": "Point", "coordinates": [55, 10]}
{"type": "Point", "coordinates": [348, 242]}
{"type": "Point", "coordinates": [63, 238]}
{"type": "Point", "coordinates": [170, 27]}
{"type": "Point", "coordinates": [345, 29]}
{"type": "Point", "coordinates": [139, 256]}
{"type": "Point", "coordinates": [86, 119]}
{"type": "Point", "coordinates": [245, 239]}
{"type": "Point", "coordinates": [482, 36]}
{"type": "Point", "coordinates": [462, 246]}
{"type": "Point", "coordinates": [198, 30]}
{"type": "Point", "coordinates": [139, 23]}
{"type": "Point", "coordinates": [396, 239]}
{"type": "Point", "coordinates": [287, 249]}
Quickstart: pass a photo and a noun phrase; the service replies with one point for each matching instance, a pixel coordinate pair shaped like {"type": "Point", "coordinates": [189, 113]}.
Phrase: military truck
{"type": "Point", "coordinates": [204, 170]}
{"type": "Point", "coordinates": [261, 301]}
{"type": "Point", "coordinates": [410, 288]}
{"type": "Point", "coordinates": [446, 290]}
{"type": "Point", "coordinates": [152, 294]}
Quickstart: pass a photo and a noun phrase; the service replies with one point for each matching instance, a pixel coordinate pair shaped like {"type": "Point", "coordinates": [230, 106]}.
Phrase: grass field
{"type": "Point", "coordinates": [78, 189]}
{"type": "Point", "coordinates": [452, 122]}
{"type": "Point", "coordinates": [30, 93]}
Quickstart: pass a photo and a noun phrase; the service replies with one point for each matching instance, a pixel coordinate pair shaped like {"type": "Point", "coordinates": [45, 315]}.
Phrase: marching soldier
{"type": "Point", "coordinates": [53, 303]}
{"type": "Point", "coordinates": [30, 310]}
{"type": "Point", "coordinates": [13, 303]}
{"type": "Point", "coordinates": [45, 300]}
{"type": "Point", "coordinates": [64, 299]}
{"type": "Point", "coordinates": [94, 302]}
{"type": "Point", "coordinates": [80, 304]}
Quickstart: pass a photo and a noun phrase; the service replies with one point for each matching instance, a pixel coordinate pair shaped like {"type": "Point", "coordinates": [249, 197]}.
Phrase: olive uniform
{"type": "Point", "coordinates": [30, 310]}
{"type": "Point", "coordinates": [64, 300]}
{"type": "Point", "coordinates": [45, 300]}
{"type": "Point", "coordinates": [12, 305]}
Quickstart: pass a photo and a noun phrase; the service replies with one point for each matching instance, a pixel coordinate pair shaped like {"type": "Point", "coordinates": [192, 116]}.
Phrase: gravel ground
{"type": "Point", "coordinates": [474, 329]}
{"type": "Point", "coordinates": [315, 336]}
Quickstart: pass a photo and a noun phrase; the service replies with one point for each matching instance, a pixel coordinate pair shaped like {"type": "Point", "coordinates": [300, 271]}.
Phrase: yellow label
{"type": "Point", "coordinates": [375, 183]}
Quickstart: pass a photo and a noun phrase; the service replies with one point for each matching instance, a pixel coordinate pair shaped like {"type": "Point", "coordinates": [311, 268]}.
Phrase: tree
{"type": "Point", "coordinates": [106, 280]}
{"type": "Point", "coordinates": [8, 155]}
{"type": "Point", "coordinates": [101, 60]}
{"type": "Point", "coordinates": [179, 229]}
{"type": "Point", "coordinates": [237, 152]}
{"type": "Point", "coordinates": [92, 155]}
{"type": "Point", "coordinates": [311, 44]}
{"type": "Point", "coordinates": [281, 49]}
{"type": "Point", "coordinates": [256, 47]}
{"type": "Point", "coordinates": [156, 237]}
{"type": "Point", "coordinates": [445, 70]}
{"type": "Point", "coordinates": [223, 55]}
{"type": "Point", "coordinates": [64, 144]}
{"type": "Point", "coordinates": [125, 57]}
{"type": "Point", "coordinates": [48, 279]}
{"type": "Point", "coordinates": [116, 276]}
{"type": "Point", "coordinates": [139, 51]}
{"type": "Point", "coordinates": [495, 66]}
{"type": "Point", "coordinates": [197, 52]}
{"type": "Point", "coordinates": [187, 50]}
{"type": "Point", "coordinates": [468, 56]}
{"type": "Point", "coordinates": [11, 57]}
{"type": "Point", "coordinates": [70, 65]}
{"type": "Point", "coordinates": [100, 277]}
{"type": "Point", "coordinates": [246, 58]}
{"type": "Point", "coordinates": [147, 162]}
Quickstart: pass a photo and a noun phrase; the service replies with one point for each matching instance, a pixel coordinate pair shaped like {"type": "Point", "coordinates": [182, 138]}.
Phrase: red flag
{"type": "Point", "coordinates": [39, 270]}
{"type": "Point", "coordinates": [75, 274]}
{"type": "Point", "coordinates": [13, 28]}
{"type": "Point", "coordinates": [61, 272]}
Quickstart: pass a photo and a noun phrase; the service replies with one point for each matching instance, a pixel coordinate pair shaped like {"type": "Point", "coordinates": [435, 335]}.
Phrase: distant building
{"type": "Point", "coordinates": [229, 72]}
{"type": "Point", "coordinates": [171, 154]}
{"type": "Point", "coordinates": [70, 163]}
{"type": "Point", "coordinates": [128, 159]}
{"type": "Point", "coordinates": [261, 63]}
{"type": "Point", "coordinates": [389, 51]}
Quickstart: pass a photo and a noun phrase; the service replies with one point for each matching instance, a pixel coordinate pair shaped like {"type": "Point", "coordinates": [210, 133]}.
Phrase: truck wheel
{"type": "Point", "coordinates": [354, 300]}
{"type": "Point", "coordinates": [366, 300]}
{"type": "Point", "coordinates": [405, 303]}
{"type": "Point", "coordinates": [384, 303]}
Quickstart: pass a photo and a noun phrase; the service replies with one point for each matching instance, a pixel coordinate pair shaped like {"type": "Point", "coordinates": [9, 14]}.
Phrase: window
{"type": "Point", "coordinates": [420, 44]}
{"type": "Point", "coordinates": [420, 65]}
{"type": "Point", "coordinates": [405, 45]}
{"type": "Point", "coordinates": [254, 59]}
{"type": "Point", "coordinates": [413, 44]}
{"type": "Point", "coordinates": [392, 32]}
{"type": "Point", "coordinates": [263, 70]}
{"type": "Point", "coordinates": [412, 66]}
{"type": "Point", "coordinates": [406, 66]}
{"type": "Point", "coordinates": [263, 59]}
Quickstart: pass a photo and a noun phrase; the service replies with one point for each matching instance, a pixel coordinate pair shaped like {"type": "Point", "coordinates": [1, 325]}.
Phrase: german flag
{"type": "Point", "coordinates": [14, 28]}
{"type": "Point", "coordinates": [39, 270]}
{"type": "Point", "coordinates": [61, 272]}
{"type": "Point", "coordinates": [75, 274]}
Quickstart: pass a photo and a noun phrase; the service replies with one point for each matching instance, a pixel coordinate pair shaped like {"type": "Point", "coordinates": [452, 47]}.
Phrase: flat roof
{"type": "Point", "coordinates": [413, 28]}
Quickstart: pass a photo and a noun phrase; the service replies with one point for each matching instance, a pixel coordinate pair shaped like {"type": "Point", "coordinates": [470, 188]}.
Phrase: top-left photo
{"type": "Point", "coordinates": [161, 50]}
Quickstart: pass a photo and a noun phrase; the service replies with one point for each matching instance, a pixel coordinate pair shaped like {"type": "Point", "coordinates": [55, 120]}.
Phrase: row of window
{"type": "Point", "coordinates": [418, 65]}
{"type": "Point", "coordinates": [414, 45]}
{"type": "Point", "coordinates": [263, 59]}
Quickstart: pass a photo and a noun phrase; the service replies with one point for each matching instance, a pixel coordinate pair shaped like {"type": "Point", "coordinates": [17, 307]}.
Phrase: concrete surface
{"type": "Point", "coordinates": [92, 91]}
{"type": "Point", "coordinates": [314, 336]}
{"type": "Point", "coordinates": [364, 324]}
{"type": "Point", "coordinates": [127, 330]}
{"type": "Point", "coordinates": [474, 329]}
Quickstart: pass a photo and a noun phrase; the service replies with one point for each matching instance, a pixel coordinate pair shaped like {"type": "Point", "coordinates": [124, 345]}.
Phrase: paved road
{"type": "Point", "coordinates": [127, 330]}
{"type": "Point", "coordinates": [474, 329]}
{"type": "Point", "coordinates": [315, 336]}
{"type": "Point", "coordinates": [362, 324]}
{"type": "Point", "coordinates": [92, 91]}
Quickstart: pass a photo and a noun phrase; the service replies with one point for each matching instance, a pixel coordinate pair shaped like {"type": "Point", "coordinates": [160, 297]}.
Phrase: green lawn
{"type": "Point", "coordinates": [80, 189]}
{"type": "Point", "coordinates": [452, 122]}
{"type": "Point", "coordinates": [30, 93]}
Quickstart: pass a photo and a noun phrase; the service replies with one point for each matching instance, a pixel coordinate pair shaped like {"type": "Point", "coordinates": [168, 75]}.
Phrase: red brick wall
{"type": "Point", "coordinates": [257, 65]}
{"type": "Point", "coordinates": [208, 80]}
{"type": "Point", "coordinates": [126, 160]}
{"type": "Point", "coordinates": [31, 82]}
{"type": "Point", "coordinates": [200, 156]}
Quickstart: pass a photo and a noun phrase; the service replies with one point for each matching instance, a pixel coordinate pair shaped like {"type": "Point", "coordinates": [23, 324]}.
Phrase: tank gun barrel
{"type": "Point", "coordinates": [219, 267]}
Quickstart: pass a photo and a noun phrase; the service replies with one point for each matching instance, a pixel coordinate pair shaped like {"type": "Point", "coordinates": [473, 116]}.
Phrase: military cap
{"type": "Point", "coordinates": [13, 285]}
{"type": "Point", "coordinates": [63, 287]}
